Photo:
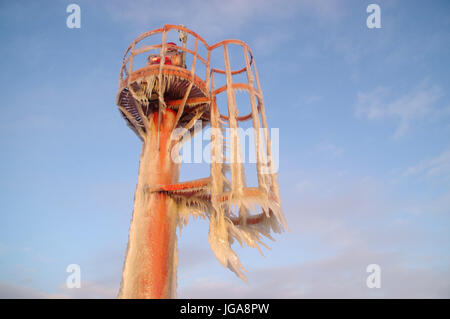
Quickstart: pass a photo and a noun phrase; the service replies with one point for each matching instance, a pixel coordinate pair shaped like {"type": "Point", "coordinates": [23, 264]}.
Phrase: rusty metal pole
{"type": "Point", "coordinates": [161, 203]}
{"type": "Point", "coordinates": [151, 259]}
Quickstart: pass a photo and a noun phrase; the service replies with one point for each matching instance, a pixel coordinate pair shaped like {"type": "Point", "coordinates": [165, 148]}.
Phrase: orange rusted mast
{"type": "Point", "coordinates": [159, 97]}
{"type": "Point", "coordinates": [151, 255]}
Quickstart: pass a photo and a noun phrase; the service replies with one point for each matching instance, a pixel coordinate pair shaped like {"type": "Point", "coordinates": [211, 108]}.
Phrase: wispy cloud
{"type": "Point", "coordinates": [341, 276]}
{"type": "Point", "coordinates": [14, 291]}
{"type": "Point", "coordinates": [87, 290]}
{"type": "Point", "coordinates": [406, 109]}
{"type": "Point", "coordinates": [209, 19]}
{"type": "Point", "coordinates": [357, 225]}
{"type": "Point", "coordinates": [314, 99]}
{"type": "Point", "coordinates": [97, 290]}
{"type": "Point", "coordinates": [329, 149]}
{"type": "Point", "coordinates": [437, 166]}
{"type": "Point", "coordinates": [214, 18]}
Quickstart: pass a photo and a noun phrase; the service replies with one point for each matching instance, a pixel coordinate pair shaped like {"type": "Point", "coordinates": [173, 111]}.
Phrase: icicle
{"type": "Point", "coordinates": [219, 241]}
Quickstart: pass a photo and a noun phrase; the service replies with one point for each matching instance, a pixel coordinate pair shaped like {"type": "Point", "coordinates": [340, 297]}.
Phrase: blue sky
{"type": "Point", "coordinates": [364, 120]}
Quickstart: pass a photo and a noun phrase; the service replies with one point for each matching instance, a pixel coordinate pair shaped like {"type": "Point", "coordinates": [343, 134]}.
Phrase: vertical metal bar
{"type": "Point", "coordinates": [121, 74]}
{"type": "Point", "coordinates": [161, 103]}
{"type": "Point", "coordinates": [274, 186]}
{"type": "Point", "coordinates": [207, 76]}
{"type": "Point", "coordinates": [255, 119]}
{"type": "Point", "coordinates": [130, 65]}
{"type": "Point", "coordinates": [188, 90]}
{"type": "Point", "coordinates": [216, 152]}
{"type": "Point", "coordinates": [237, 176]}
{"type": "Point", "coordinates": [194, 59]}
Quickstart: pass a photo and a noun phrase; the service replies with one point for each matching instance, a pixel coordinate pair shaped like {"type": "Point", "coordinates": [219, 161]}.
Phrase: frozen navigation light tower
{"type": "Point", "coordinates": [166, 88]}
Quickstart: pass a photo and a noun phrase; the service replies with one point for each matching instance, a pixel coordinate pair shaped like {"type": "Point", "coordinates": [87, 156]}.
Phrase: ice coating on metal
{"type": "Point", "coordinates": [157, 99]}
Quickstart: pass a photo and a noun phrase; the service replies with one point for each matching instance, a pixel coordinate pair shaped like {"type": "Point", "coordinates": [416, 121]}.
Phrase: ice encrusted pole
{"type": "Point", "coordinates": [158, 99]}
{"type": "Point", "coordinates": [151, 257]}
